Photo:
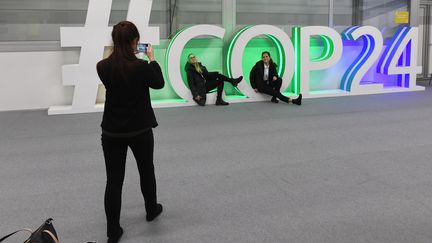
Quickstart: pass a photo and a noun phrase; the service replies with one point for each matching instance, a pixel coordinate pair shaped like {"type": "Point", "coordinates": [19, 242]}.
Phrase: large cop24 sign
{"type": "Point", "coordinates": [398, 58]}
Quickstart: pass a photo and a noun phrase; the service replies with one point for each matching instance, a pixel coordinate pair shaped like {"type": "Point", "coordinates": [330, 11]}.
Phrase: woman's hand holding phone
{"type": "Point", "coordinates": [146, 49]}
{"type": "Point", "coordinates": [142, 48]}
{"type": "Point", "coordinates": [149, 53]}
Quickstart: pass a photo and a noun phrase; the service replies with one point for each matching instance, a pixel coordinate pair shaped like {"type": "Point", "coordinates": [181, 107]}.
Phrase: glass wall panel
{"type": "Point", "coordinates": [381, 14]}
{"type": "Point", "coordinates": [282, 13]}
{"type": "Point", "coordinates": [40, 20]}
{"type": "Point", "coordinates": [171, 15]}
{"type": "Point", "coordinates": [158, 17]}
{"type": "Point", "coordinates": [342, 14]}
{"type": "Point", "coordinates": [193, 12]}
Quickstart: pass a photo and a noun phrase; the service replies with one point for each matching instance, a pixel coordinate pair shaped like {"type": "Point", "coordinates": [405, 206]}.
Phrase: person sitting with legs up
{"type": "Point", "coordinates": [201, 81]}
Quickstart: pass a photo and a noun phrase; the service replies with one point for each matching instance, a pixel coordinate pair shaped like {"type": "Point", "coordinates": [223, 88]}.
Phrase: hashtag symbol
{"type": "Point", "coordinates": [92, 38]}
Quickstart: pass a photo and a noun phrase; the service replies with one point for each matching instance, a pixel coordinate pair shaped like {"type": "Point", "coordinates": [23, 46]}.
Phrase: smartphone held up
{"type": "Point", "coordinates": [142, 48]}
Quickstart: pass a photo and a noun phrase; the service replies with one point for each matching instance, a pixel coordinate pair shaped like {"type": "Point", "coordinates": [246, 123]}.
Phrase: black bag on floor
{"type": "Point", "coordinates": [44, 234]}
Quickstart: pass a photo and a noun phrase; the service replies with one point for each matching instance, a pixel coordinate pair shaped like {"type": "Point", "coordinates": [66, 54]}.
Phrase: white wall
{"type": "Point", "coordinates": [33, 80]}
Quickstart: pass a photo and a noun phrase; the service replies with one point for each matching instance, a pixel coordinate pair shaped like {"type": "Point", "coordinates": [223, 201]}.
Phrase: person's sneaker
{"type": "Point", "coordinates": [298, 101]}
{"type": "Point", "coordinates": [156, 212]}
{"type": "Point", "coordinates": [237, 81]}
{"type": "Point", "coordinates": [116, 238]}
{"type": "Point", "coordinates": [274, 100]}
{"type": "Point", "coordinates": [221, 102]}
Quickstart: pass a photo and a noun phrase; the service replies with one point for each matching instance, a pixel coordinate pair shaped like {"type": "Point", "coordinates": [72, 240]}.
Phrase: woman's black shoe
{"type": "Point", "coordinates": [236, 81]}
{"type": "Point", "coordinates": [221, 102]}
{"type": "Point", "coordinates": [297, 101]}
{"type": "Point", "coordinates": [153, 214]}
{"type": "Point", "coordinates": [200, 102]}
{"type": "Point", "coordinates": [274, 100]}
{"type": "Point", "coordinates": [116, 238]}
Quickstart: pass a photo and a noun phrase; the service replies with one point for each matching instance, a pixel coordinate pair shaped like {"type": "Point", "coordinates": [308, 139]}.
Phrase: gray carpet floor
{"type": "Point", "coordinates": [349, 169]}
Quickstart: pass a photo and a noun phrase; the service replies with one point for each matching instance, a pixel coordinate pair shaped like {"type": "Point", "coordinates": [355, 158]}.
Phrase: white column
{"type": "Point", "coordinates": [331, 13]}
{"type": "Point", "coordinates": [414, 12]}
{"type": "Point", "coordinates": [228, 23]}
{"type": "Point", "coordinates": [229, 15]}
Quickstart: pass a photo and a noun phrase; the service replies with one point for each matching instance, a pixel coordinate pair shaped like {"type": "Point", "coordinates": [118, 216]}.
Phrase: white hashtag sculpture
{"type": "Point", "coordinates": [93, 38]}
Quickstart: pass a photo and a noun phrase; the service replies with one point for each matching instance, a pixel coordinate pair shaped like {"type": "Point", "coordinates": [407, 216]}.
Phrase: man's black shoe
{"type": "Point", "coordinates": [154, 213]}
{"type": "Point", "coordinates": [274, 100]}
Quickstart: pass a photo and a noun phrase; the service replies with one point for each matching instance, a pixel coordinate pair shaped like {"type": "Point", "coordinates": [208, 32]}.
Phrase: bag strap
{"type": "Point", "coordinates": [9, 235]}
{"type": "Point", "coordinates": [52, 236]}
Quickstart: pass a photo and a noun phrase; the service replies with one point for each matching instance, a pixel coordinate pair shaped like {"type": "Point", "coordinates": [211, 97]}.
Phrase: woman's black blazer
{"type": "Point", "coordinates": [256, 76]}
{"type": "Point", "coordinates": [196, 80]}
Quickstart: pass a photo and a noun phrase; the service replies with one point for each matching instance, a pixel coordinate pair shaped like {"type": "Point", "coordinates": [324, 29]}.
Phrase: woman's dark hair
{"type": "Point", "coordinates": [268, 53]}
{"type": "Point", "coordinates": [123, 34]}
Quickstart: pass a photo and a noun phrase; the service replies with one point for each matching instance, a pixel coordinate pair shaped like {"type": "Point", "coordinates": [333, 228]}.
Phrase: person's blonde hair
{"type": "Point", "coordinates": [196, 64]}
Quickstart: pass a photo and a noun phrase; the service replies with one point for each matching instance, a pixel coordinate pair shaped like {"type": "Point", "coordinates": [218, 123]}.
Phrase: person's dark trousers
{"type": "Point", "coordinates": [276, 85]}
{"type": "Point", "coordinates": [219, 76]}
{"type": "Point", "coordinates": [273, 89]}
{"type": "Point", "coordinates": [115, 150]}
{"type": "Point", "coordinates": [215, 83]}
{"type": "Point", "coordinates": [215, 79]}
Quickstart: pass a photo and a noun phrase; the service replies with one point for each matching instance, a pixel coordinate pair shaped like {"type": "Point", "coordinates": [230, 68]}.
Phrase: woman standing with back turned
{"type": "Point", "coordinates": [128, 120]}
